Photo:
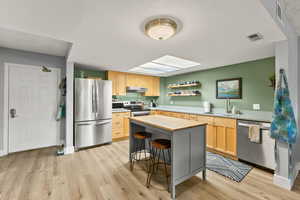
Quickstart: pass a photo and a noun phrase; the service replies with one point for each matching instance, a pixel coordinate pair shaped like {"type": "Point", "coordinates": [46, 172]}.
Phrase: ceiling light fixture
{"type": "Point", "coordinates": [161, 28]}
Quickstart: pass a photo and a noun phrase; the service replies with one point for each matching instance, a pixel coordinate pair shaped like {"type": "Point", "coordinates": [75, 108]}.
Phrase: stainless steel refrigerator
{"type": "Point", "coordinates": [93, 112]}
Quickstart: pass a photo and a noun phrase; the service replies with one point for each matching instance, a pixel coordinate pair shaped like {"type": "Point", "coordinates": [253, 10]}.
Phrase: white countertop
{"type": "Point", "coordinates": [263, 116]}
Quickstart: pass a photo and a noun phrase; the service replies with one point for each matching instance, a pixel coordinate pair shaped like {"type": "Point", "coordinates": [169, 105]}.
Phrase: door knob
{"type": "Point", "coordinates": [13, 113]}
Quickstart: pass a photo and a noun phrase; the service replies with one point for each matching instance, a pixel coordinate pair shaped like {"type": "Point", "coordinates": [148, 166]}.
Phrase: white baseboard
{"type": "Point", "coordinates": [68, 150]}
{"type": "Point", "coordinates": [282, 182]}
{"type": "Point", "coordinates": [2, 153]}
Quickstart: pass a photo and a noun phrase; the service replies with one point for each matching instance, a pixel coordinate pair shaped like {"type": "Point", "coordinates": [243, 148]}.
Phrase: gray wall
{"type": "Point", "coordinates": [293, 64]}
{"type": "Point", "coordinates": [69, 148]}
{"type": "Point", "coordinates": [27, 58]}
{"type": "Point", "coordinates": [297, 148]}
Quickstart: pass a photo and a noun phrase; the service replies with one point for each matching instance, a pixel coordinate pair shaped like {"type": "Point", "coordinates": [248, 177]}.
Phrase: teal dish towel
{"type": "Point", "coordinates": [283, 127]}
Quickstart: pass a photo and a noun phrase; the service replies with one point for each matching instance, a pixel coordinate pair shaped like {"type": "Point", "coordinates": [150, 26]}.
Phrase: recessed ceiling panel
{"type": "Point", "coordinates": [159, 67]}
{"type": "Point", "coordinates": [176, 62]}
{"type": "Point", "coordinates": [165, 64]}
{"type": "Point", "coordinates": [145, 71]}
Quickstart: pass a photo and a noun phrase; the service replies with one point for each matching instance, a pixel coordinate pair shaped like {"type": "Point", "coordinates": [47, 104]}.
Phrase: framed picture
{"type": "Point", "coordinates": [229, 88]}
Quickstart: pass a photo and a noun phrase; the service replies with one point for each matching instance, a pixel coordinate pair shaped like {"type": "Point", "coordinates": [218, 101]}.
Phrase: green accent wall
{"type": "Point", "coordinates": [255, 85]}
{"type": "Point", "coordinates": [87, 72]}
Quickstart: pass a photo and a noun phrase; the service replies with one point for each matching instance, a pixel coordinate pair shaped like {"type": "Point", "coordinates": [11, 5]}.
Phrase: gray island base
{"type": "Point", "coordinates": [188, 150]}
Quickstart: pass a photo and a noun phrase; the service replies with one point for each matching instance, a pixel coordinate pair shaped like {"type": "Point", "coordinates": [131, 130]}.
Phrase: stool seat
{"type": "Point", "coordinates": [142, 135]}
{"type": "Point", "coordinates": [161, 144]}
{"type": "Point", "coordinates": [141, 146]}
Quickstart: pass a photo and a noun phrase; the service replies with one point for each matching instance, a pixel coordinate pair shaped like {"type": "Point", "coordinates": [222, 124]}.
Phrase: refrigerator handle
{"type": "Point", "coordinates": [93, 98]}
{"type": "Point", "coordinates": [101, 123]}
{"type": "Point", "coordinates": [84, 124]}
{"type": "Point", "coordinates": [96, 97]}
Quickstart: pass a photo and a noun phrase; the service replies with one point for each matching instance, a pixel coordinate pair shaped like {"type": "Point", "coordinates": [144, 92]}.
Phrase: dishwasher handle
{"type": "Point", "coordinates": [261, 125]}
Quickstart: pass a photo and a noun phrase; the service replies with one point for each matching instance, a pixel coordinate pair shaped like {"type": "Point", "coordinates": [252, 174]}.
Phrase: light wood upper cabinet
{"type": "Point", "coordinates": [122, 80]}
{"type": "Point", "coordinates": [150, 82]}
{"type": "Point", "coordinates": [118, 82]}
{"type": "Point", "coordinates": [133, 80]}
{"type": "Point", "coordinates": [153, 86]}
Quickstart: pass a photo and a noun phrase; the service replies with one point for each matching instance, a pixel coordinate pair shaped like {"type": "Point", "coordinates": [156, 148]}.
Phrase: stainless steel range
{"type": "Point", "coordinates": [136, 107]}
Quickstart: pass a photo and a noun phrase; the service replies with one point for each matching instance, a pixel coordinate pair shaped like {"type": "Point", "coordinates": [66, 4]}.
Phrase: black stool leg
{"type": "Point", "coordinates": [158, 159]}
{"type": "Point", "coordinates": [151, 171]}
{"type": "Point", "coordinates": [134, 155]}
{"type": "Point", "coordinates": [166, 171]}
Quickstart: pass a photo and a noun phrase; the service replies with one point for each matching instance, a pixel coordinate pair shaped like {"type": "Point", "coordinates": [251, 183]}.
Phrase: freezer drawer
{"type": "Point", "coordinates": [93, 133]}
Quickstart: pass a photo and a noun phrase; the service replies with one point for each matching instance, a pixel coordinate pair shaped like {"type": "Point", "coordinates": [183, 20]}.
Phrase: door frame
{"type": "Point", "coordinates": [6, 104]}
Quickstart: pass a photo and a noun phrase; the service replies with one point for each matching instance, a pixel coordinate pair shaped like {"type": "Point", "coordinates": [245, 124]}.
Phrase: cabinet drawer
{"type": "Point", "coordinates": [230, 123]}
{"type": "Point", "coordinates": [206, 119]}
{"type": "Point", "coordinates": [117, 115]}
{"type": "Point", "coordinates": [117, 125]}
{"type": "Point", "coordinates": [117, 133]}
{"type": "Point", "coordinates": [194, 117]}
{"type": "Point", "coordinates": [126, 114]}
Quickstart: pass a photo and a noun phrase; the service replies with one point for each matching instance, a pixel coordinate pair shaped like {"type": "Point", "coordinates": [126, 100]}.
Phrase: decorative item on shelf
{"type": "Point", "coordinates": [229, 88]}
{"type": "Point", "coordinates": [185, 93]}
{"type": "Point", "coordinates": [181, 84]}
{"type": "Point", "coordinates": [272, 80]}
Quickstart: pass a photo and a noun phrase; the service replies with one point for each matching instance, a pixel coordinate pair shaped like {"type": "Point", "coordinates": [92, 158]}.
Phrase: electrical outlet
{"type": "Point", "coordinates": [256, 106]}
{"type": "Point", "coordinates": [171, 102]}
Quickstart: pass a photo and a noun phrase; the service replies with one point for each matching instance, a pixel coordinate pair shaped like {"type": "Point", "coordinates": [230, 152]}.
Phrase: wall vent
{"type": "Point", "coordinates": [255, 37]}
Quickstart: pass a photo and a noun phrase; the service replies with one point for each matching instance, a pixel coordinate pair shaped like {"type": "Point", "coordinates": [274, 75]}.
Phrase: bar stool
{"type": "Point", "coordinates": [140, 138]}
{"type": "Point", "coordinates": [159, 146]}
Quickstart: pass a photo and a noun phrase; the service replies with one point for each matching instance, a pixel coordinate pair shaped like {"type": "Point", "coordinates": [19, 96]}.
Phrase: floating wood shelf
{"type": "Point", "coordinates": [183, 95]}
{"type": "Point", "coordinates": [186, 85]}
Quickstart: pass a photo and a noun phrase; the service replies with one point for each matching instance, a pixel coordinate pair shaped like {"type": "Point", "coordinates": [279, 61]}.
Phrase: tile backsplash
{"type": "Point", "coordinates": [135, 96]}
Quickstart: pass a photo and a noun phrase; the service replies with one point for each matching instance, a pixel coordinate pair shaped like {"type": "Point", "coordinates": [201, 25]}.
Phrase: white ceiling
{"type": "Point", "coordinates": [293, 13]}
{"type": "Point", "coordinates": [108, 34]}
{"type": "Point", "coordinates": [34, 43]}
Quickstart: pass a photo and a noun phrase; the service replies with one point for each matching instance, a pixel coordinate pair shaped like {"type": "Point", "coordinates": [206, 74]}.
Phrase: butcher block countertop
{"type": "Point", "coordinates": [167, 123]}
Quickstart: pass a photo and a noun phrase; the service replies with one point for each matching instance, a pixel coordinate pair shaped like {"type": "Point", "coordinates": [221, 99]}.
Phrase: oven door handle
{"type": "Point", "coordinates": [140, 113]}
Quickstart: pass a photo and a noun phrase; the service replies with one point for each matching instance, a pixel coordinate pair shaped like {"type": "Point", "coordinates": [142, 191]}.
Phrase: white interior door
{"type": "Point", "coordinates": [33, 102]}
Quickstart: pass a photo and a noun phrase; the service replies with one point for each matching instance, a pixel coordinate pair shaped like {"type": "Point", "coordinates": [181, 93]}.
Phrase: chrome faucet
{"type": "Point", "coordinates": [227, 106]}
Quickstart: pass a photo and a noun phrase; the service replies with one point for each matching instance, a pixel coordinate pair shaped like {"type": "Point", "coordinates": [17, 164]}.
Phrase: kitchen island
{"type": "Point", "coordinates": [188, 144]}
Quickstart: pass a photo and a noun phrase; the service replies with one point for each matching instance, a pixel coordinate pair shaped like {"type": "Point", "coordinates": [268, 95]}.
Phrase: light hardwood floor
{"type": "Point", "coordinates": [103, 173]}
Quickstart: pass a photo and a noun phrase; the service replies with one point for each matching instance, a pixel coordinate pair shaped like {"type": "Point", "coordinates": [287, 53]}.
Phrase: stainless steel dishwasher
{"type": "Point", "coordinates": [261, 153]}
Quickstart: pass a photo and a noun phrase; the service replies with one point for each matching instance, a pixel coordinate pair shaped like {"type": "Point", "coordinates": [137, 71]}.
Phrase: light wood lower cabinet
{"type": "Point", "coordinates": [221, 133]}
{"type": "Point", "coordinates": [210, 136]}
{"type": "Point", "coordinates": [120, 125]}
{"type": "Point", "coordinates": [225, 135]}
